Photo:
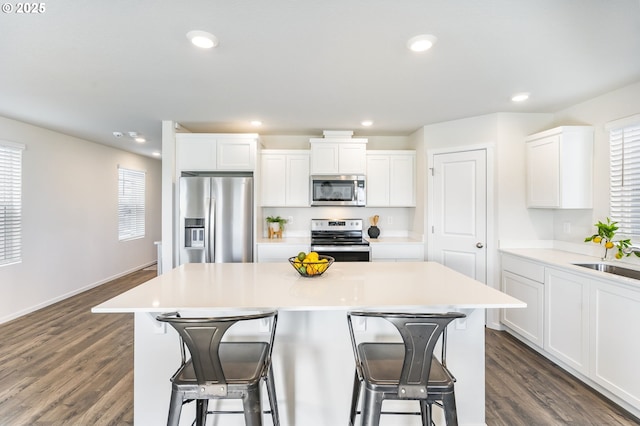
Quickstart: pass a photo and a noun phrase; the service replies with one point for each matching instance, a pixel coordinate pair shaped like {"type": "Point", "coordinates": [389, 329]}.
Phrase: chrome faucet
{"type": "Point", "coordinates": [631, 249]}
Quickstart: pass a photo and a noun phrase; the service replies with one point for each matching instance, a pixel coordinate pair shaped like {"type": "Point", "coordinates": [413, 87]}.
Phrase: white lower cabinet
{"type": "Point", "coordinates": [590, 326]}
{"type": "Point", "coordinates": [528, 322]}
{"type": "Point", "coordinates": [383, 252]}
{"type": "Point", "coordinates": [566, 325]}
{"type": "Point", "coordinates": [278, 251]}
{"type": "Point", "coordinates": [615, 332]}
{"type": "Point", "coordinates": [524, 280]}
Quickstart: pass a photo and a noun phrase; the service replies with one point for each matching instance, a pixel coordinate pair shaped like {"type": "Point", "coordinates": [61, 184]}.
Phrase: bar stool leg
{"type": "Point", "coordinates": [424, 413]}
{"type": "Point", "coordinates": [252, 407]}
{"type": "Point", "coordinates": [175, 408]}
{"type": "Point", "coordinates": [201, 412]}
{"type": "Point", "coordinates": [450, 413]}
{"type": "Point", "coordinates": [273, 401]}
{"type": "Point", "coordinates": [354, 399]}
{"type": "Point", "coordinates": [371, 408]}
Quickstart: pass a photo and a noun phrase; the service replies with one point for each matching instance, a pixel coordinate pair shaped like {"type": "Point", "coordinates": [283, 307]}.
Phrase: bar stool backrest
{"type": "Point", "coordinates": [202, 337]}
{"type": "Point", "coordinates": [420, 333]}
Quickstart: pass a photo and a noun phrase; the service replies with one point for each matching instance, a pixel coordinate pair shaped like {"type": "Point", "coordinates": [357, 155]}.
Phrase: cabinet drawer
{"type": "Point", "coordinates": [279, 252]}
{"type": "Point", "coordinates": [401, 252]}
{"type": "Point", "coordinates": [524, 268]}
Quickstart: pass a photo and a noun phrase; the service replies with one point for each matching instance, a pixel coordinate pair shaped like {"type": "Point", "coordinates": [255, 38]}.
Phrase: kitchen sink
{"type": "Point", "coordinates": [612, 269]}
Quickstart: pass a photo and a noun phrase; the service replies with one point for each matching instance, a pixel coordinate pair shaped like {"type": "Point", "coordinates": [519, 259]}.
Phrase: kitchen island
{"type": "Point", "coordinates": [313, 360]}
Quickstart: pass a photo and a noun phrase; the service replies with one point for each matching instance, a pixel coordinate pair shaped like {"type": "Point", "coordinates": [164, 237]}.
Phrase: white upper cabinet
{"type": "Point", "coordinates": [285, 178]}
{"type": "Point", "coordinates": [391, 178]}
{"type": "Point", "coordinates": [338, 156]}
{"type": "Point", "coordinates": [236, 153]}
{"type": "Point", "coordinates": [213, 152]}
{"type": "Point", "coordinates": [560, 168]}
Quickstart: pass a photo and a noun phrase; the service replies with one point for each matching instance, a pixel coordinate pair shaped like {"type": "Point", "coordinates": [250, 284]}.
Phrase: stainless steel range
{"type": "Point", "coordinates": [341, 239]}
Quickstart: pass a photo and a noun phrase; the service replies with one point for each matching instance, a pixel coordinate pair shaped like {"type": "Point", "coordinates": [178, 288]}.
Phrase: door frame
{"type": "Point", "coordinates": [492, 274]}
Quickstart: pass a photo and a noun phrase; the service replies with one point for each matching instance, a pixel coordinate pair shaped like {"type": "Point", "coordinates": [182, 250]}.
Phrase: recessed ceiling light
{"type": "Point", "coordinates": [422, 42]}
{"type": "Point", "coordinates": [155, 154]}
{"type": "Point", "coordinates": [140, 139]}
{"type": "Point", "coordinates": [202, 39]}
{"type": "Point", "coordinates": [520, 97]}
{"type": "Point", "coordinates": [366, 123]}
{"type": "Point", "coordinates": [256, 123]}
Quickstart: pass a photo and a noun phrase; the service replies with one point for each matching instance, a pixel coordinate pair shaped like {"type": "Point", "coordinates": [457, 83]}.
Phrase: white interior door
{"type": "Point", "coordinates": [459, 225]}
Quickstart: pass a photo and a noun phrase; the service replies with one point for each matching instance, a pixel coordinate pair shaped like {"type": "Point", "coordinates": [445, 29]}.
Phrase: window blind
{"type": "Point", "coordinates": [10, 204]}
{"type": "Point", "coordinates": [131, 194]}
{"type": "Point", "coordinates": [625, 180]}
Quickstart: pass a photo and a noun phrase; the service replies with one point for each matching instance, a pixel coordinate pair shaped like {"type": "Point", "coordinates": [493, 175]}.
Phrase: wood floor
{"type": "Point", "coordinates": [63, 365]}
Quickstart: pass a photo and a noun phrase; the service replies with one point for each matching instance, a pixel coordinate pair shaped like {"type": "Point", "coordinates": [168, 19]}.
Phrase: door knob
{"type": "Point", "coordinates": [479, 245]}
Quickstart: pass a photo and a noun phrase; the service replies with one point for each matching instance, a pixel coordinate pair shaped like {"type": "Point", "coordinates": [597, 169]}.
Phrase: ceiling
{"type": "Point", "coordinates": [89, 68]}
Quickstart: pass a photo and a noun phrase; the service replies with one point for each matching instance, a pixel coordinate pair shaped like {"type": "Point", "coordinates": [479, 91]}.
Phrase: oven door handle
{"type": "Point", "coordinates": [340, 248]}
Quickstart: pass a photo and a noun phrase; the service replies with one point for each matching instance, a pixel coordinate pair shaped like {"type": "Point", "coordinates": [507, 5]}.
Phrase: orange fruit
{"type": "Point", "coordinates": [609, 244]}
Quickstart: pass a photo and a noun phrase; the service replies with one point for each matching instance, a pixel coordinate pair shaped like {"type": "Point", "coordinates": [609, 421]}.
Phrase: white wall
{"type": "Point", "coordinates": [595, 112]}
{"type": "Point", "coordinates": [514, 221]}
{"type": "Point", "coordinates": [69, 219]}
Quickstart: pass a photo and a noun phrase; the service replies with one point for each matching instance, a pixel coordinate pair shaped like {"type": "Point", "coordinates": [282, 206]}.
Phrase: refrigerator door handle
{"type": "Point", "coordinates": [211, 235]}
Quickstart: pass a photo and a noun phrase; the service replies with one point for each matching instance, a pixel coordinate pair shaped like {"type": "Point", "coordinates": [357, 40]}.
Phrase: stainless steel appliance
{"type": "Point", "coordinates": [216, 219]}
{"type": "Point", "coordinates": [340, 190]}
{"type": "Point", "coordinates": [341, 239]}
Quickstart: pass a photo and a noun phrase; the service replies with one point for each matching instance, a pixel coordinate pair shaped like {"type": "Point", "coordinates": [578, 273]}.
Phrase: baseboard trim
{"type": "Point", "coordinates": [57, 299]}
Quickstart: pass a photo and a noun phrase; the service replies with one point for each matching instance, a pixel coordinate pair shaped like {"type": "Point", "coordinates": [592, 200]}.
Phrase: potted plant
{"type": "Point", "coordinates": [276, 223]}
{"type": "Point", "coordinates": [606, 233]}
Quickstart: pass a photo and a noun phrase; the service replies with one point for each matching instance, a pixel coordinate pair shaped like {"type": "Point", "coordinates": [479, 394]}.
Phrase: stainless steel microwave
{"type": "Point", "coordinates": [338, 190]}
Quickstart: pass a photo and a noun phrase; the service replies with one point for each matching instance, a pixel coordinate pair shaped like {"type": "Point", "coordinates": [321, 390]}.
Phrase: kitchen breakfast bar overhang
{"type": "Point", "coordinates": [312, 356]}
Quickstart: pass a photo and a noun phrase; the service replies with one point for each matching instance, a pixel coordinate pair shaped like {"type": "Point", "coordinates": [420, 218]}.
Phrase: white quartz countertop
{"type": "Point", "coordinates": [345, 285]}
{"type": "Point", "coordinates": [567, 260]}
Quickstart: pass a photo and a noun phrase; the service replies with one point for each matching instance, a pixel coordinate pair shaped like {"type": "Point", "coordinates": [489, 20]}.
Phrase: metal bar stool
{"type": "Point", "coordinates": [221, 370]}
{"type": "Point", "coordinates": [404, 371]}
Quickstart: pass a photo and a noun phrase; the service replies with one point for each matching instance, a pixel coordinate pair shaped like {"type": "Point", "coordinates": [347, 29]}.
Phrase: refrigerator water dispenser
{"type": "Point", "coordinates": [194, 232]}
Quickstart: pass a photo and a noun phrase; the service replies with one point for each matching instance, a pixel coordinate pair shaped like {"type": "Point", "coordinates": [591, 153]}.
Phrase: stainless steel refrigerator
{"type": "Point", "coordinates": [216, 219]}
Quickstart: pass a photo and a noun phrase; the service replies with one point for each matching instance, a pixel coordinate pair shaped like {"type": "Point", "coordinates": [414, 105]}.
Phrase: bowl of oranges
{"type": "Point", "coordinates": [311, 264]}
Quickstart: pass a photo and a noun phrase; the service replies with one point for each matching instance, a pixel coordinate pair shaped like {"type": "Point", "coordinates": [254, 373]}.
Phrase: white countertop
{"type": "Point", "coordinates": [566, 260]}
{"type": "Point", "coordinates": [345, 285]}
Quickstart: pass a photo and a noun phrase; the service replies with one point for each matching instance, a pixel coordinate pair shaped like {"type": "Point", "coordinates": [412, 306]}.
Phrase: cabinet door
{"type": "Point", "coordinates": [195, 153]}
{"type": "Point", "coordinates": [566, 331]}
{"type": "Point", "coordinates": [273, 180]}
{"type": "Point", "coordinates": [616, 340]}
{"type": "Point", "coordinates": [324, 158]}
{"type": "Point", "coordinates": [397, 252]}
{"type": "Point", "coordinates": [297, 184]}
{"type": "Point", "coordinates": [543, 172]}
{"type": "Point", "coordinates": [352, 158]}
{"type": "Point", "coordinates": [377, 180]}
{"type": "Point", "coordinates": [402, 180]}
{"type": "Point", "coordinates": [527, 322]}
{"type": "Point", "coordinates": [236, 154]}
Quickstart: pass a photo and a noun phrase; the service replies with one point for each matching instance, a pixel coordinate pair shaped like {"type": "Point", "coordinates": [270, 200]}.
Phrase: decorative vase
{"type": "Point", "coordinates": [274, 226]}
{"type": "Point", "coordinates": [373, 231]}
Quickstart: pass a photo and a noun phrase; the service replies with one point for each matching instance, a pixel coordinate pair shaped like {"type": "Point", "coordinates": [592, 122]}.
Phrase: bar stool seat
{"type": "Point", "coordinates": [221, 370]}
{"type": "Point", "coordinates": [404, 371]}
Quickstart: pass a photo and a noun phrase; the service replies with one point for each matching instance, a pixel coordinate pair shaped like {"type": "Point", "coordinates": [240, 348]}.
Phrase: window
{"type": "Point", "coordinates": [10, 202]}
{"type": "Point", "coordinates": [130, 204]}
{"type": "Point", "coordinates": [625, 178]}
